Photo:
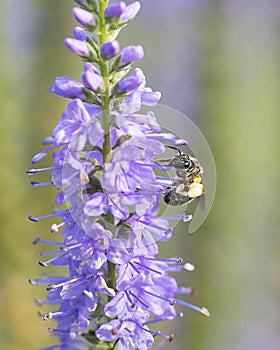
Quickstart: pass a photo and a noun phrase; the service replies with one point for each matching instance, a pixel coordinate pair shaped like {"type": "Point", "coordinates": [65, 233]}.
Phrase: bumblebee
{"type": "Point", "coordinates": [188, 182]}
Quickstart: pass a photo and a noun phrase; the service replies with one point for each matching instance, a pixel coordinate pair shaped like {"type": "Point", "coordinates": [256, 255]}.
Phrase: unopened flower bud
{"type": "Point", "coordinates": [84, 17]}
{"type": "Point", "coordinates": [110, 49]}
{"type": "Point", "coordinates": [132, 54]}
{"type": "Point", "coordinates": [77, 46]}
{"type": "Point", "coordinates": [92, 78]}
{"type": "Point", "coordinates": [130, 11]}
{"type": "Point", "coordinates": [114, 11]}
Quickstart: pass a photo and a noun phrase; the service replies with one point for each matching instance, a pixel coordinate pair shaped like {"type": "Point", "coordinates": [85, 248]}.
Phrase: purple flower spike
{"type": "Point", "coordinates": [110, 49]}
{"type": "Point", "coordinates": [130, 11]}
{"type": "Point", "coordinates": [84, 17]}
{"type": "Point", "coordinates": [132, 54]}
{"type": "Point", "coordinates": [77, 46]}
{"type": "Point", "coordinates": [114, 11]}
{"type": "Point", "coordinates": [67, 87]}
{"type": "Point", "coordinates": [106, 154]}
{"type": "Point", "coordinates": [92, 78]}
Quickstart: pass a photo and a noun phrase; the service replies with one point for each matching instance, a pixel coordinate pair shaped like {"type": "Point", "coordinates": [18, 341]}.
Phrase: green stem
{"type": "Point", "coordinates": [105, 73]}
{"type": "Point", "coordinates": [104, 69]}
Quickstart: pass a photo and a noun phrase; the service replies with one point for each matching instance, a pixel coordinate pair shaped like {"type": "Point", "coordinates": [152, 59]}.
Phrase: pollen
{"type": "Point", "coordinates": [196, 190]}
{"type": "Point", "coordinates": [197, 179]}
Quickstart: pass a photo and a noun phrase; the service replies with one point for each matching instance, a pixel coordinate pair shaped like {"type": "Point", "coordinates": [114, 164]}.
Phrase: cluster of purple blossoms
{"type": "Point", "coordinates": [104, 164]}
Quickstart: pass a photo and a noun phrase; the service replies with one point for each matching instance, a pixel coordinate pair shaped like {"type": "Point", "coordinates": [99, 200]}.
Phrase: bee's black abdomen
{"type": "Point", "coordinates": [173, 198]}
{"type": "Point", "coordinates": [167, 196]}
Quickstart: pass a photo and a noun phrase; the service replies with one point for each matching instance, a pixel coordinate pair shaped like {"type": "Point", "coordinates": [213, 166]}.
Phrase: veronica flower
{"type": "Point", "coordinates": [84, 17]}
{"type": "Point", "coordinates": [104, 152]}
{"type": "Point", "coordinates": [78, 46]}
{"type": "Point", "coordinates": [114, 11]}
{"type": "Point", "coordinates": [132, 54]}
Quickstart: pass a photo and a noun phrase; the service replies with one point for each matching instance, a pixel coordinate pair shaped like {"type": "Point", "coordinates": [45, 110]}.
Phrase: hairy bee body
{"type": "Point", "coordinates": [188, 182]}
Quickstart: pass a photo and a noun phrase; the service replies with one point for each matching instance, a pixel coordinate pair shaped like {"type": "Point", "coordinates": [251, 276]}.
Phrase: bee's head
{"type": "Point", "coordinates": [181, 159]}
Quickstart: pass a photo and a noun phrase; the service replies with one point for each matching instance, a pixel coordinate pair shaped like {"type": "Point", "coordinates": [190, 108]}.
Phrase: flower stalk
{"type": "Point", "coordinates": [105, 74]}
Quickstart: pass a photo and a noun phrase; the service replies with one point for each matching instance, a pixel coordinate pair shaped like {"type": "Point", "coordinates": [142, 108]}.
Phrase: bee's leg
{"type": "Point", "coordinates": [182, 190]}
{"type": "Point", "coordinates": [164, 162]}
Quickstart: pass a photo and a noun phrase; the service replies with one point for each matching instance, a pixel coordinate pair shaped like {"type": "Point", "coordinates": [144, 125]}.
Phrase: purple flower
{"type": "Point", "coordinates": [67, 87]}
{"type": "Point", "coordinates": [80, 34]}
{"type": "Point", "coordinates": [84, 17]}
{"type": "Point", "coordinates": [138, 96]}
{"type": "Point", "coordinates": [149, 97]}
{"type": "Point", "coordinates": [77, 46]}
{"type": "Point", "coordinates": [92, 77]}
{"type": "Point", "coordinates": [130, 11]}
{"type": "Point", "coordinates": [128, 332]}
{"type": "Point", "coordinates": [72, 120]}
{"type": "Point", "coordinates": [114, 11]}
{"type": "Point", "coordinates": [131, 83]}
{"type": "Point", "coordinates": [96, 205]}
{"type": "Point", "coordinates": [110, 49]}
{"type": "Point", "coordinates": [128, 171]}
{"type": "Point", "coordinates": [138, 125]}
{"type": "Point", "coordinates": [132, 54]}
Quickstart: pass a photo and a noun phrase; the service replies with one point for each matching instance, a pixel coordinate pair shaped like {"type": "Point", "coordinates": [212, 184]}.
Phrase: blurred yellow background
{"type": "Point", "coordinates": [218, 62]}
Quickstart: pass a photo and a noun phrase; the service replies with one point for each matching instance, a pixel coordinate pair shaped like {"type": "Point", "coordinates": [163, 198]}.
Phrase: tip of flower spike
{"type": "Point", "coordinates": [32, 218]}
{"type": "Point", "coordinates": [205, 312]}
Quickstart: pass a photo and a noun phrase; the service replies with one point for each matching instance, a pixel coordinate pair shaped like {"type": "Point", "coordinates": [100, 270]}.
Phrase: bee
{"type": "Point", "coordinates": [188, 182]}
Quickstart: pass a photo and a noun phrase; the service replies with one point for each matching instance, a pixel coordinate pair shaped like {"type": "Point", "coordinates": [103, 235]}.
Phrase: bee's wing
{"type": "Point", "coordinates": [202, 201]}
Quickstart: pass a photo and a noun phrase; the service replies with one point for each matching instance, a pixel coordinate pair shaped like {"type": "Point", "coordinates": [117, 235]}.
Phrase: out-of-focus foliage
{"type": "Point", "coordinates": [215, 61]}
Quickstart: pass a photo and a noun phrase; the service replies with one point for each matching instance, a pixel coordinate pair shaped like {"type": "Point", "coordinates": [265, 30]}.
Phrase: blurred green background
{"type": "Point", "coordinates": [218, 62]}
